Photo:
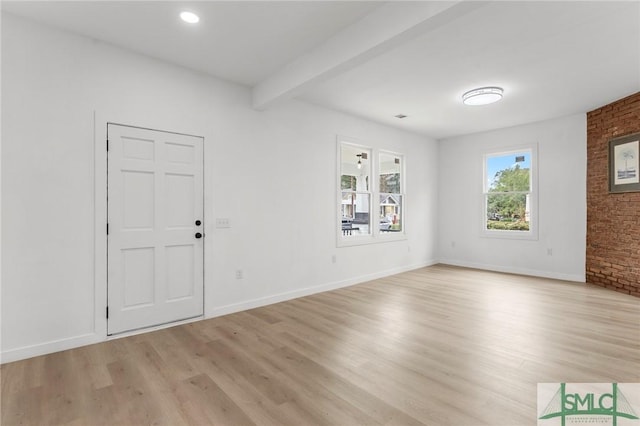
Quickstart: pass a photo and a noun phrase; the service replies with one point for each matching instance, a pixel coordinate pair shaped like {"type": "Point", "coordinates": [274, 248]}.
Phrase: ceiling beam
{"type": "Point", "coordinates": [386, 27]}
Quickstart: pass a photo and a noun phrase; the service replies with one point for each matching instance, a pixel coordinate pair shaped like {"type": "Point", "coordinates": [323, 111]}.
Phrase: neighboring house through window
{"type": "Point", "coordinates": [391, 189]}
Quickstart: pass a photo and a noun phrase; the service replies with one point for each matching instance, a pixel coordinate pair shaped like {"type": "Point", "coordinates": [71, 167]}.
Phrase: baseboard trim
{"type": "Point", "coordinates": [308, 291]}
{"type": "Point", "coordinates": [50, 347]}
{"type": "Point", "coordinates": [92, 338]}
{"type": "Point", "coordinates": [519, 271]}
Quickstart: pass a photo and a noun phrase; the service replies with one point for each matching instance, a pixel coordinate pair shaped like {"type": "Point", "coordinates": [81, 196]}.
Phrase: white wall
{"type": "Point", "coordinates": [271, 173]}
{"type": "Point", "coordinates": [562, 159]}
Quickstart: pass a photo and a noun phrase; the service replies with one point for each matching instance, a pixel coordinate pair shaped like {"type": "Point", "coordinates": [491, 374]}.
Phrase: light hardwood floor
{"type": "Point", "coordinates": [435, 346]}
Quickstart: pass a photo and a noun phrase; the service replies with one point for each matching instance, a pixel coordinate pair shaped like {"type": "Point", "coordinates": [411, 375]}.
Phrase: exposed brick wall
{"type": "Point", "coordinates": [613, 220]}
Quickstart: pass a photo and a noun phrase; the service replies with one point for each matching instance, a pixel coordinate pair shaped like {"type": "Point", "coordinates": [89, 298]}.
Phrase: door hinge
{"type": "Point", "coordinates": [107, 312]}
{"type": "Point", "coordinates": [107, 229]}
{"type": "Point", "coordinates": [107, 145]}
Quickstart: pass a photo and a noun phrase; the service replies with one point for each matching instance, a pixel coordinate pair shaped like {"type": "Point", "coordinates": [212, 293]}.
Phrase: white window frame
{"type": "Point", "coordinates": [532, 233]}
{"type": "Point", "coordinates": [375, 236]}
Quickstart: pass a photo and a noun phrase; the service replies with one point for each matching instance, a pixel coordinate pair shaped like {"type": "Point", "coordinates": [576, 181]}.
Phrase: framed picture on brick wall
{"type": "Point", "coordinates": [624, 164]}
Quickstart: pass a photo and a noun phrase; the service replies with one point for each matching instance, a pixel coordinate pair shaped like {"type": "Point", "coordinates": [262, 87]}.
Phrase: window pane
{"type": "Point", "coordinates": [390, 213]}
{"type": "Point", "coordinates": [348, 182]}
{"type": "Point", "coordinates": [355, 168]}
{"type": "Point", "coordinates": [355, 214]}
{"type": "Point", "coordinates": [508, 212]}
{"type": "Point", "coordinates": [390, 173]}
{"type": "Point", "coordinates": [509, 172]}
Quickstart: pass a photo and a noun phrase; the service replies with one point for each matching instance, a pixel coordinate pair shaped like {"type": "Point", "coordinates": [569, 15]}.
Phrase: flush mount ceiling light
{"type": "Point", "coordinates": [189, 17]}
{"type": "Point", "coordinates": [482, 96]}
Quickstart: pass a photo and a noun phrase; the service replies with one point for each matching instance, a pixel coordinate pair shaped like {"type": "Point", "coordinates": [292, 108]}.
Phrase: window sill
{"type": "Point", "coordinates": [359, 240]}
{"type": "Point", "coordinates": [510, 235]}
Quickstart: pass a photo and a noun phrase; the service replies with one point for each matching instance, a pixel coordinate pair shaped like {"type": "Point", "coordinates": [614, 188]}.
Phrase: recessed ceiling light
{"type": "Point", "coordinates": [189, 17]}
{"type": "Point", "coordinates": [482, 96]}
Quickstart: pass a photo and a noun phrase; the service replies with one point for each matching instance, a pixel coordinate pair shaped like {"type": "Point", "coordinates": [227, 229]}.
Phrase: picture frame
{"type": "Point", "coordinates": [624, 164]}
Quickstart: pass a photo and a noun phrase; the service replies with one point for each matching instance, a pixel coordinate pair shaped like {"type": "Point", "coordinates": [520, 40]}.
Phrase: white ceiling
{"type": "Point", "coordinates": [240, 41]}
{"type": "Point", "coordinates": [380, 59]}
{"type": "Point", "coordinates": [552, 59]}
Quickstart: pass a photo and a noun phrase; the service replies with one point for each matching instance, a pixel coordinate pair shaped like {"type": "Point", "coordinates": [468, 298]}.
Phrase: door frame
{"type": "Point", "coordinates": [100, 208]}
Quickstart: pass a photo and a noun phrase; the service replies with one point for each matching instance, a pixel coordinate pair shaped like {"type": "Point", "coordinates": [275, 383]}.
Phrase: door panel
{"type": "Point", "coordinates": [155, 195]}
{"type": "Point", "coordinates": [179, 271]}
{"type": "Point", "coordinates": [141, 149]}
{"type": "Point", "coordinates": [138, 210]}
{"type": "Point", "coordinates": [178, 153]}
{"type": "Point", "coordinates": [139, 276]}
{"type": "Point", "coordinates": [180, 200]}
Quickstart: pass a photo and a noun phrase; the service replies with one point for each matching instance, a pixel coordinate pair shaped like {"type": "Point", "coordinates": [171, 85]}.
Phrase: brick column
{"type": "Point", "coordinates": [613, 220]}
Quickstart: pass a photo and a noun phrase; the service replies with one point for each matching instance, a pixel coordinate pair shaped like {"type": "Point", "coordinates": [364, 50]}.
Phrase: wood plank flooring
{"type": "Point", "coordinates": [436, 346]}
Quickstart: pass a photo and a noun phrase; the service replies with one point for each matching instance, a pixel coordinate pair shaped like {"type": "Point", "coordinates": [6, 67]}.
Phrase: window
{"type": "Point", "coordinates": [355, 207]}
{"type": "Point", "coordinates": [370, 195]}
{"type": "Point", "coordinates": [509, 196]}
{"type": "Point", "coordinates": [391, 186]}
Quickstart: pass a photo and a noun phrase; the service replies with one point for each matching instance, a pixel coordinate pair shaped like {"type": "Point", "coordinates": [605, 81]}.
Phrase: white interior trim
{"type": "Point", "coordinates": [532, 234]}
{"type": "Point", "coordinates": [515, 270]}
{"type": "Point", "coordinates": [50, 347]}
{"type": "Point", "coordinates": [282, 297]}
{"type": "Point", "coordinates": [100, 224]}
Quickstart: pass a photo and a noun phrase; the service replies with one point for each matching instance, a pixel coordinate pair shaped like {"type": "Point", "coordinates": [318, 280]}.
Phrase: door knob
{"type": "Point", "coordinates": [198, 235]}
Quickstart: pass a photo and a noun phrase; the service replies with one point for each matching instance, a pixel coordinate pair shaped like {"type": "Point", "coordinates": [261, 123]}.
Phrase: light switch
{"type": "Point", "coordinates": [223, 222]}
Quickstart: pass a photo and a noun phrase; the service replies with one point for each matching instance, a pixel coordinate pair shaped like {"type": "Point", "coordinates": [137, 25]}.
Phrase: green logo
{"type": "Point", "coordinates": [586, 405]}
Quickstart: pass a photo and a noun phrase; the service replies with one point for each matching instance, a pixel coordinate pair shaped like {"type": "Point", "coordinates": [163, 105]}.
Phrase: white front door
{"type": "Point", "coordinates": [155, 227]}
